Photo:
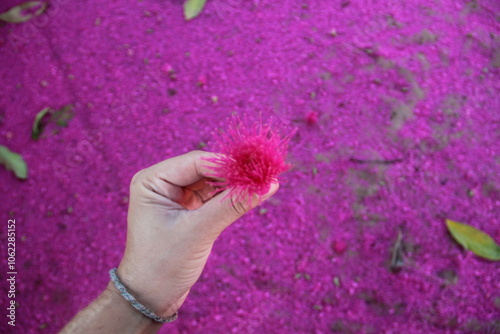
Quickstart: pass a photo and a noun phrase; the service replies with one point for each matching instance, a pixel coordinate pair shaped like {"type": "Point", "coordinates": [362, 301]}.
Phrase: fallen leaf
{"type": "Point", "coordinates": [58, 118]}
{"type": "Point", "coordinates": [62, 116]}
{"type": "Point", "coordinates": [38, 125]}
{"type": "Point", "coordinates": [24, 12]}
{"type": "Point", "coordinates": [14, 162]}
{"type": "Point", "coordinates": [474, 240]}
{"type": "Point", "coordinates": [192, 8]}
{"type": "Point", "coordinates": [397, 260]}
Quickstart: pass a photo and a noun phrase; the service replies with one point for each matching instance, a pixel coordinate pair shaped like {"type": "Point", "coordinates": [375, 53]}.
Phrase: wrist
{"type": "Point", "coordinates": [123, 309]}
{"type": "Point", "coordinates": [148, 292]}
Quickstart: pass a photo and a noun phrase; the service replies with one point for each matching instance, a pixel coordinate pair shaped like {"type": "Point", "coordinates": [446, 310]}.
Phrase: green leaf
{"type": "Point", "coordinates": [14, 162]}
{"type": "Point", "coordinates": [22, 13]}
{"type": "Point", "coordinates": [62, 116]}
{"type": "Point", "coordinates": [474, 240]}
{"type": "Point", "coordinates": [192, 8]}
{"type": "Point", "coordinates": [38, 126]}
{"type": "Point", "coordinates": [59, 118]}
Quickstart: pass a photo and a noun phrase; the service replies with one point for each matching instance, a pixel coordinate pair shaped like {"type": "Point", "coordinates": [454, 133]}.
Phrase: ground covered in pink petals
{"type": "Point", "coordinates": [396, 109]}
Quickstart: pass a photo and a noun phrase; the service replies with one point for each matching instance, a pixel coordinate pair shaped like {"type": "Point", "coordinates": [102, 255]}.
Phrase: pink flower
{"type": "Point", "coordinates": [339, 246]}
{"type": "Point", "coordinates": [249, 160]}
{"type": "Point", "coordinates": [312, 117]}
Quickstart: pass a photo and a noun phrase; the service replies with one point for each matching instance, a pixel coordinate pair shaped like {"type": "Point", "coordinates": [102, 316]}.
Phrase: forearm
{"type": "Point", "coordinates": [110, 313]}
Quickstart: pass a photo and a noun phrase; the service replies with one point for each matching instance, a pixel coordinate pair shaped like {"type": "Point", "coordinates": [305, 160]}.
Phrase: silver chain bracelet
{"type": "Point", "coordinates": [138, 306]}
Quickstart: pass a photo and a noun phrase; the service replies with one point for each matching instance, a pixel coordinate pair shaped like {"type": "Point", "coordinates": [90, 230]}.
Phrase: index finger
{"type": "Point", "coordinates": [184, 170]}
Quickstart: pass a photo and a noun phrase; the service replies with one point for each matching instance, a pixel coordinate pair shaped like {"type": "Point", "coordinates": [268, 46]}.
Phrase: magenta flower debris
{"type": "Point", "coordinates": [249, 159]}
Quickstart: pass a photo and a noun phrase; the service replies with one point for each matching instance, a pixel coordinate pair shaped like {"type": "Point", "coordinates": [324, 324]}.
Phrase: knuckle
{"type": "Point", "coordinates": [238, 208]}
{"type": "Point", "coordinates": [197, 152]}
{"type": "Point", "coordinates": [137, 178]}
{"type": "Point", "coordinates": [201, 154]}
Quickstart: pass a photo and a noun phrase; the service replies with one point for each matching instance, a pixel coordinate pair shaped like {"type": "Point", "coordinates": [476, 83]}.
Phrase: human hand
{"type": "Point", "coordinates": [172, 225]}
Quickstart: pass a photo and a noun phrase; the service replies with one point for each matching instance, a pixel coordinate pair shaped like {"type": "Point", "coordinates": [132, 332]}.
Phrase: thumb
{"type": "Point", "coordinates": [222, 210]}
